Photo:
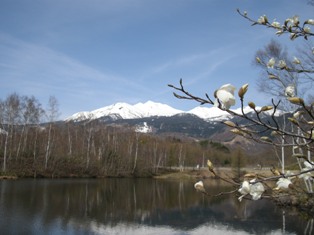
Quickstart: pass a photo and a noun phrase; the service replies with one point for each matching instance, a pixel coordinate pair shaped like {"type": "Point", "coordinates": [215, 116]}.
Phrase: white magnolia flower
{"type": "Point", "coordinates": [254, 189]}
{"type": "Point", "coordinates": [296, 60]}
{"type": "Point", "coordinates": [271, 63]}
{"type": "Point", "coordinates": [282, 64]}
{"type": "Point", "coordinates": [310, 21]}
{"type": "Point", "coordinates": [225, 96]}
{"type": "Point", "coordinates": [290, 91]}
{"type": "Point", "coordinates": [294, 20]}
{"type": "Point", "coordinates": [245, 189]}
{"type": "Point", "coordinates": [199, 186]}
{"type": "Point", "coordinates": [262, 19]}
{"type": "Point", "coordinates": [283, 183]}
{"type": "Point", "coordinates": [276, 24]}
{"type": "Point", "coordinates": [307, 29]}
{"type": "Point", "coordinates": [257, 190]}
{"type": "Point", "coordinates": [308, 175]}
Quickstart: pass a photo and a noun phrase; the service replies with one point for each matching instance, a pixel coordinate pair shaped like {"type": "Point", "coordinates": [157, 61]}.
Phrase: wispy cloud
{"type": "Point", "coordinates": [33, 67]}
{"type": "Point", "coordinates": [37, 70]}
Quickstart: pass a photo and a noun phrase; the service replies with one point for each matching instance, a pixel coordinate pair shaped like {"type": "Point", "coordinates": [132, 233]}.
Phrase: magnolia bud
{"type": "Point", "coordinates": [258, 60]}
{"type": "Point", "coordinates": [294, 121]}
{"type": "Point", "coordinates": [251, 105]}
{"type": "Point", "coordinates": [309, 21]}
{"type": "Point", "coordinates": [243, 90]}
{"type": "Point", "coordinates": [265, 139]}
{"type": "Point", "coordinates": [274, 133]}
{"type": "Point", "coordinates": [266, 108]}
{"type": "Point", "coordinates": [272, 76]}
{"type": "Point", "coordinates": [237, 131]}
{"type": "Point", "coordinates": [296, 100]}
{"type": "Point", "coordinates": [230, 123]}
{"type": "Point", "coordinates": [210, 165]}
{"type": "Point", "coordinates": [296, 60]}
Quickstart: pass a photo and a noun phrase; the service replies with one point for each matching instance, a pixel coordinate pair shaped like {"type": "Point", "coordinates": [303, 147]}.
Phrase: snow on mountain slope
{"type": "Point", "coordinates": [151, 108]}
{"type": "Point", "coordinates": [80, 116]}
{"type": "Point", "coordinates": [212, 113]}
{"type": "Point", "coordinates": [126, 111]}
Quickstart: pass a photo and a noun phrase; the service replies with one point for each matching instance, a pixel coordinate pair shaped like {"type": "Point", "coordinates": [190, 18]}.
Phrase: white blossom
{"type": "Point", "coordinates": [283, 183]}
{"type": "Point", "coordinates": [294, 20]}
{"type": "Point", "coordinates": [257, 190]}
{"type": "Point", "coordinates": [276, 24]}
{"type": "Point", "coordinates": [290, 91]}
{"type": "Point", "coordinates": [282, 64]}
{"type": "Point", "coordinates": [308, 175]}
{"type": "Point", "coordinates": [262, 19]}
{"type": "Point", "coordinates": [271, 63]}
{"type": "Point", "coordinates": [199, 186]}
{"type": "Point", "coordinates": [254, 189]}
{"type": "Point", "coordinates": [244, 190]}
{"type": "Point", "coordinates": [307, 29]}
{"type": "Point", "coordinates": [225, 96]}
{"type": "Point", "coordinates": [310, 21]}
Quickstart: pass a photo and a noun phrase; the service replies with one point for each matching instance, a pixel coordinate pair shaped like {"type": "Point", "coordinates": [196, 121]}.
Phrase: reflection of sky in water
{"type": "Point", "coordinates": [132, 206]}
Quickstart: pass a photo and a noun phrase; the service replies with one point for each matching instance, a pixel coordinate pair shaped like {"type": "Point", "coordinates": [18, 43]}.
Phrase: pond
{"type": "Point", "coordinates": [135, 206]}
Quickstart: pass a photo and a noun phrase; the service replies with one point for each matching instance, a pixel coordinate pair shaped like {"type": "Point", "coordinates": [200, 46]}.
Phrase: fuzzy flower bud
{"type": "Point", "coordinates": [296, 100]}
{"type": "Point", "coordinates": [243, 90]}
{"type": "Point", "coordinates": [266, 108]}
{"type": "Point", "coordinates": [271, 63]}
{"type": "Point", "coordinates": [294, 121]}
{"type": "Point", "coordinates": [296, 60]}
{"type": "Point", "coordinates": [210, 165]}
{"type": "Point", "coordinates": [258, 60]}
{"type": "Point", "coordinates": [265, 139]}
{"type": "Point", "coordinates": [251, 105]}
{"type": "Point", "coordinates": [230, 123]}
{"type": "Point", "coordinates": [237, 131]}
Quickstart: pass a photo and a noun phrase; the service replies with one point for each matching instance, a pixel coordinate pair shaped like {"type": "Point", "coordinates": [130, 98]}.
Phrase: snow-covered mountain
{"type": "Point", "coordinates": [210, 114]}
{"type": "Point", "coordinates": [150, 109]}
{"type": "Point", "coordinates": [127, 111]}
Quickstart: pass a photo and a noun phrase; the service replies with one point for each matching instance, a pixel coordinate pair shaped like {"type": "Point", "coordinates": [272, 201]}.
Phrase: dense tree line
{"type": "Point", "coordinates": [34, 144]}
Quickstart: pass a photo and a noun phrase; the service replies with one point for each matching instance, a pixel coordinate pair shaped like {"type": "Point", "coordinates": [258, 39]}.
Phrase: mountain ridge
{"type": "Point", "coordinates": [122, 110]}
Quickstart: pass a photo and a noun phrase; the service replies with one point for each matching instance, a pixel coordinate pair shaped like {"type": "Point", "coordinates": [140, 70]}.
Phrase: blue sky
{"type": "Point", "coordinates": [90, 54]}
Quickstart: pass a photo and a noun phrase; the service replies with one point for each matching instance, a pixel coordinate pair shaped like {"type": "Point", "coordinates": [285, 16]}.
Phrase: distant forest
{"type": "Point", "coordinates": [34, 144]}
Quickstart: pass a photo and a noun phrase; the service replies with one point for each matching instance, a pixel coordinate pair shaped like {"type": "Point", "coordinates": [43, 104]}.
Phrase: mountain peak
{"type": "Point", "coordinates": [149, 109]}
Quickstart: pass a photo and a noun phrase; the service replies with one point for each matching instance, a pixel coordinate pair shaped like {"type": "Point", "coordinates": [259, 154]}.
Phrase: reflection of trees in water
{"type": "Point", "coordinates": [142, 201]}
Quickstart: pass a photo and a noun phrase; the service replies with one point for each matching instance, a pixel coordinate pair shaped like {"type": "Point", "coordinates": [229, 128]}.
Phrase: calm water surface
{"type": "Point", "coordinates": [134, 206]}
